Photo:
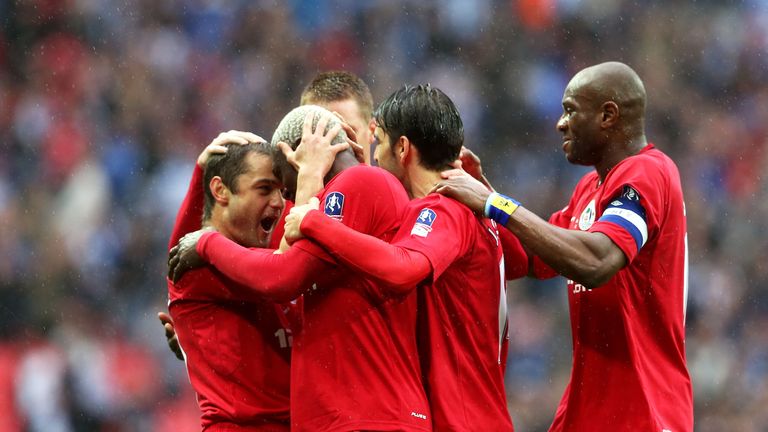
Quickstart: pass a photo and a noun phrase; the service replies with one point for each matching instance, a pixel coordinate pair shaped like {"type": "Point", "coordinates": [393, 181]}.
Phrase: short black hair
{"type": "Point", "coordinates": [428, 118]}
{"type": "Point", "coordinates": [334, 86]}
{"type": "Point", "coordinates": [229, 166]}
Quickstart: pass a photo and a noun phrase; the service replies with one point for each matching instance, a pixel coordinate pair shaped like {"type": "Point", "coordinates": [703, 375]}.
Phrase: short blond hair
{"type": "Point", "coordinates": [335, 86]}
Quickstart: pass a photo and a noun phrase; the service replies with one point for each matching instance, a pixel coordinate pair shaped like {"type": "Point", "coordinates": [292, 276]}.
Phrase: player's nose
{"type": "Point", "coordinates": [276, 198]}
{"type": "Point", "coordinates": [562, 123]}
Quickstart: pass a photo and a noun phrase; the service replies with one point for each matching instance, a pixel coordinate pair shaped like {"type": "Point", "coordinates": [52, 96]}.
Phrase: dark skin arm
{"type": "Point", "coordinates": [590, 259]}
{"type": "Point", "coordinates": [184, 257]}
{"type": "Point", "coordinates": [170, 334]}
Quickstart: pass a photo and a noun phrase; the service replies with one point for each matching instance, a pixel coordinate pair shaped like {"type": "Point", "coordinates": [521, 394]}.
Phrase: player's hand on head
{"type": "Point", "coordinates": [352, 138]}
{"type": "Point", "coordinates": [316, 152]}
{"type": "Point", "coordinates": [453, 173]}
{"type": "Point", "coordinates": [184, 256]}
{"type": "Point", "coordinates": [358, 150]}
{"type": "Point", "coordinates": [294, 218]}
{"type": "Point", "coordinates": [217, 146]}
{"type": "Point", "coordinates": [170, 334]}
{"type": "Point", "coordinates": [348, 129]}
{"type": "Point", "coordinates": [463, 188]}
{"type": "Point", "coordinates": [470, 163]}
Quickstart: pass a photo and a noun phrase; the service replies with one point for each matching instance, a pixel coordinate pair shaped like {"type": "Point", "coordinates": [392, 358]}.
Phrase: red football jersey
{"type": "Point", "coordinates": [236, 349]}
{"type": "Point", "coordinates": [462, 314]}
{"type": "Point", "coordinates": [629, 370]}
{"type": "Point", "coordinates": [237, 354]}
{"type": "Point", "coordinates": [355, 362]}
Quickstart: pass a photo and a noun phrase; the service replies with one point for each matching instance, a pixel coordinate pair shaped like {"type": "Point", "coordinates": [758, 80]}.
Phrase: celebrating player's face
{"type": "Point", "coordinates": [384, 154]}
{"type": "Point", "coordinates": [580, 125]}
{"type": "Point", "coordinates": [254, 209]}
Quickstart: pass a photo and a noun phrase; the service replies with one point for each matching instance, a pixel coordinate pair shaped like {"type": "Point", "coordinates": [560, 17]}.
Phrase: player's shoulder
{"type": "Point", "coordinates": [650, 167]}
{"type": "Point", "coordinates": [195, 284]}
{"type": "Point", "coordinates": [650, 161]}
{"type": "Point", "coordinates": [363, 170]}
{"type": "Point", "coordinates": [443, 204]}
{"type": "Point", "coordinates": [364, 176]}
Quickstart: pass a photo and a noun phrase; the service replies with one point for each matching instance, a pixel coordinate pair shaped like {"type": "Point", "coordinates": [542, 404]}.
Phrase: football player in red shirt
{"type": "Point", "coordinates": [348, 96]}
{"type": "Point", "coordinates": [354, 361]}
{"type": "Point", "coordinates": [621, 242]}
{"type": "Point", "coordinates": [338, 91]}
{"type": "Point", "coordinates": [454, 257]}
{"type": "Point", "coordinates": [235, 346]}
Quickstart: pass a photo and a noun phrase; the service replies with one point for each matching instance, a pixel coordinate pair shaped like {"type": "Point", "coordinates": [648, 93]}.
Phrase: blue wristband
{"type": "Point", "coordinates": [488, 200]}
{"type": "Point", "coordinates": [500, 208]}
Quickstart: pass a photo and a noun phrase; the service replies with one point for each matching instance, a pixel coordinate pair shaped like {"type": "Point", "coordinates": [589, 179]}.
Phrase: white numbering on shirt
{"type": "Point", "coordinates": [578, 288]}
{"type": "Point", "coordinates": [285, 338]}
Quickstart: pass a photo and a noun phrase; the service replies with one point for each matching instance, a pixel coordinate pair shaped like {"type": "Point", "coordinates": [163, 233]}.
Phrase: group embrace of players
{"type": "Point", "coordinates": [377, 302]}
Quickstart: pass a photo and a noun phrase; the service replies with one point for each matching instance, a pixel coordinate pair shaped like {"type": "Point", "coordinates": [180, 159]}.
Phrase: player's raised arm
{"type": "Point", "coordinates": [314, 156]}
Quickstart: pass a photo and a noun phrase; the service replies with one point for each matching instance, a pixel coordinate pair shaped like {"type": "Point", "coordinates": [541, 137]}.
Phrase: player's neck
{"type": "Point", "coordinates": [216, 221]}
{"type": "Point", "coordinates": [343, 161]}
{"type": "Point", "coordinates": [631, 147]}
{"type": "Point", "coordinates": [421, 181]}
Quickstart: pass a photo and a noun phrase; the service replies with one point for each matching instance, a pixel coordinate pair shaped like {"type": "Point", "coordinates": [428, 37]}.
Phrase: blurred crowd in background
{"type": "Point", "coordinates": [104, 106]}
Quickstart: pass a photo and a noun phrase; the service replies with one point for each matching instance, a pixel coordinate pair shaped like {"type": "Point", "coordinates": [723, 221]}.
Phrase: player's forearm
{"type": "Point", "coordinates": [308, 184]}
{"type": "Point", "coordinates": [397, 269]}
{"type": "Point", "coordinates": [190, 213]}
{"type": "Point", "coordinates": [274, 277]}
{"type": "Point", "coordinates": [584, 257]}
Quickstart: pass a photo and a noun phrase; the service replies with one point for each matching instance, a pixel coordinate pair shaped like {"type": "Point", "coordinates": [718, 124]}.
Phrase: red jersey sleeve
{"type": "Point", "coordinates": [360, 197]}
{"type": "Point", "coordinates": [397, 268]}
{"type": "Point", "coordinates": [436, 226]}
{"type": "Point", "coordinates": [189, 217]}
{"type": "Point", "coordinates": [631, 204]}
{"type": "Point", "coordinates": [276, 277]}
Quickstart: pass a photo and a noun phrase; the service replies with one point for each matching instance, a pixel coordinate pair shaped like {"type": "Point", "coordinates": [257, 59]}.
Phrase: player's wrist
{"type": "Point", "coordinates": [499, 207]}
{"type": "Point", "coordinates": [311, 171]}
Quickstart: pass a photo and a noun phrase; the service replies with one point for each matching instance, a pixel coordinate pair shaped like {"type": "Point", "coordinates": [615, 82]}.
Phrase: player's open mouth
{"type": "Point", "coordinates": [268, 222]}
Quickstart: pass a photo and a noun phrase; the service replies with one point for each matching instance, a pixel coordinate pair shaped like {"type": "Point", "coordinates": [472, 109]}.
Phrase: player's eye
{"type": "Point", "coordinates": [265, 190]}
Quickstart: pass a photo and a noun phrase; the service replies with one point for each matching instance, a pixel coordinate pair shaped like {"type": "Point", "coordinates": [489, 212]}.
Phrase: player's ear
{"type": "Point", "coordinates": [219, 191]}
{"type": "Point", "coordinates": [371, 129]}
{"type": "Point", "coordinates": [610, 114]}
{"type": "Point", "coordinates": [403, 149]}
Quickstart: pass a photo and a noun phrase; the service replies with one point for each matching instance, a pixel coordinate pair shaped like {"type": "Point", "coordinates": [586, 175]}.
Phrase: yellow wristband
{"type": "Point", "coordinates": [507, 205]}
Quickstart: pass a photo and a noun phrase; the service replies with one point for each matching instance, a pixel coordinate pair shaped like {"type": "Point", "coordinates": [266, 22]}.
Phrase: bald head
{"type": "Point", "coordinates": [613, 81]}
{"type": "Point", "coordinates": [291, 126]}
{"type": "Point", "coordinates": [603, 116]}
